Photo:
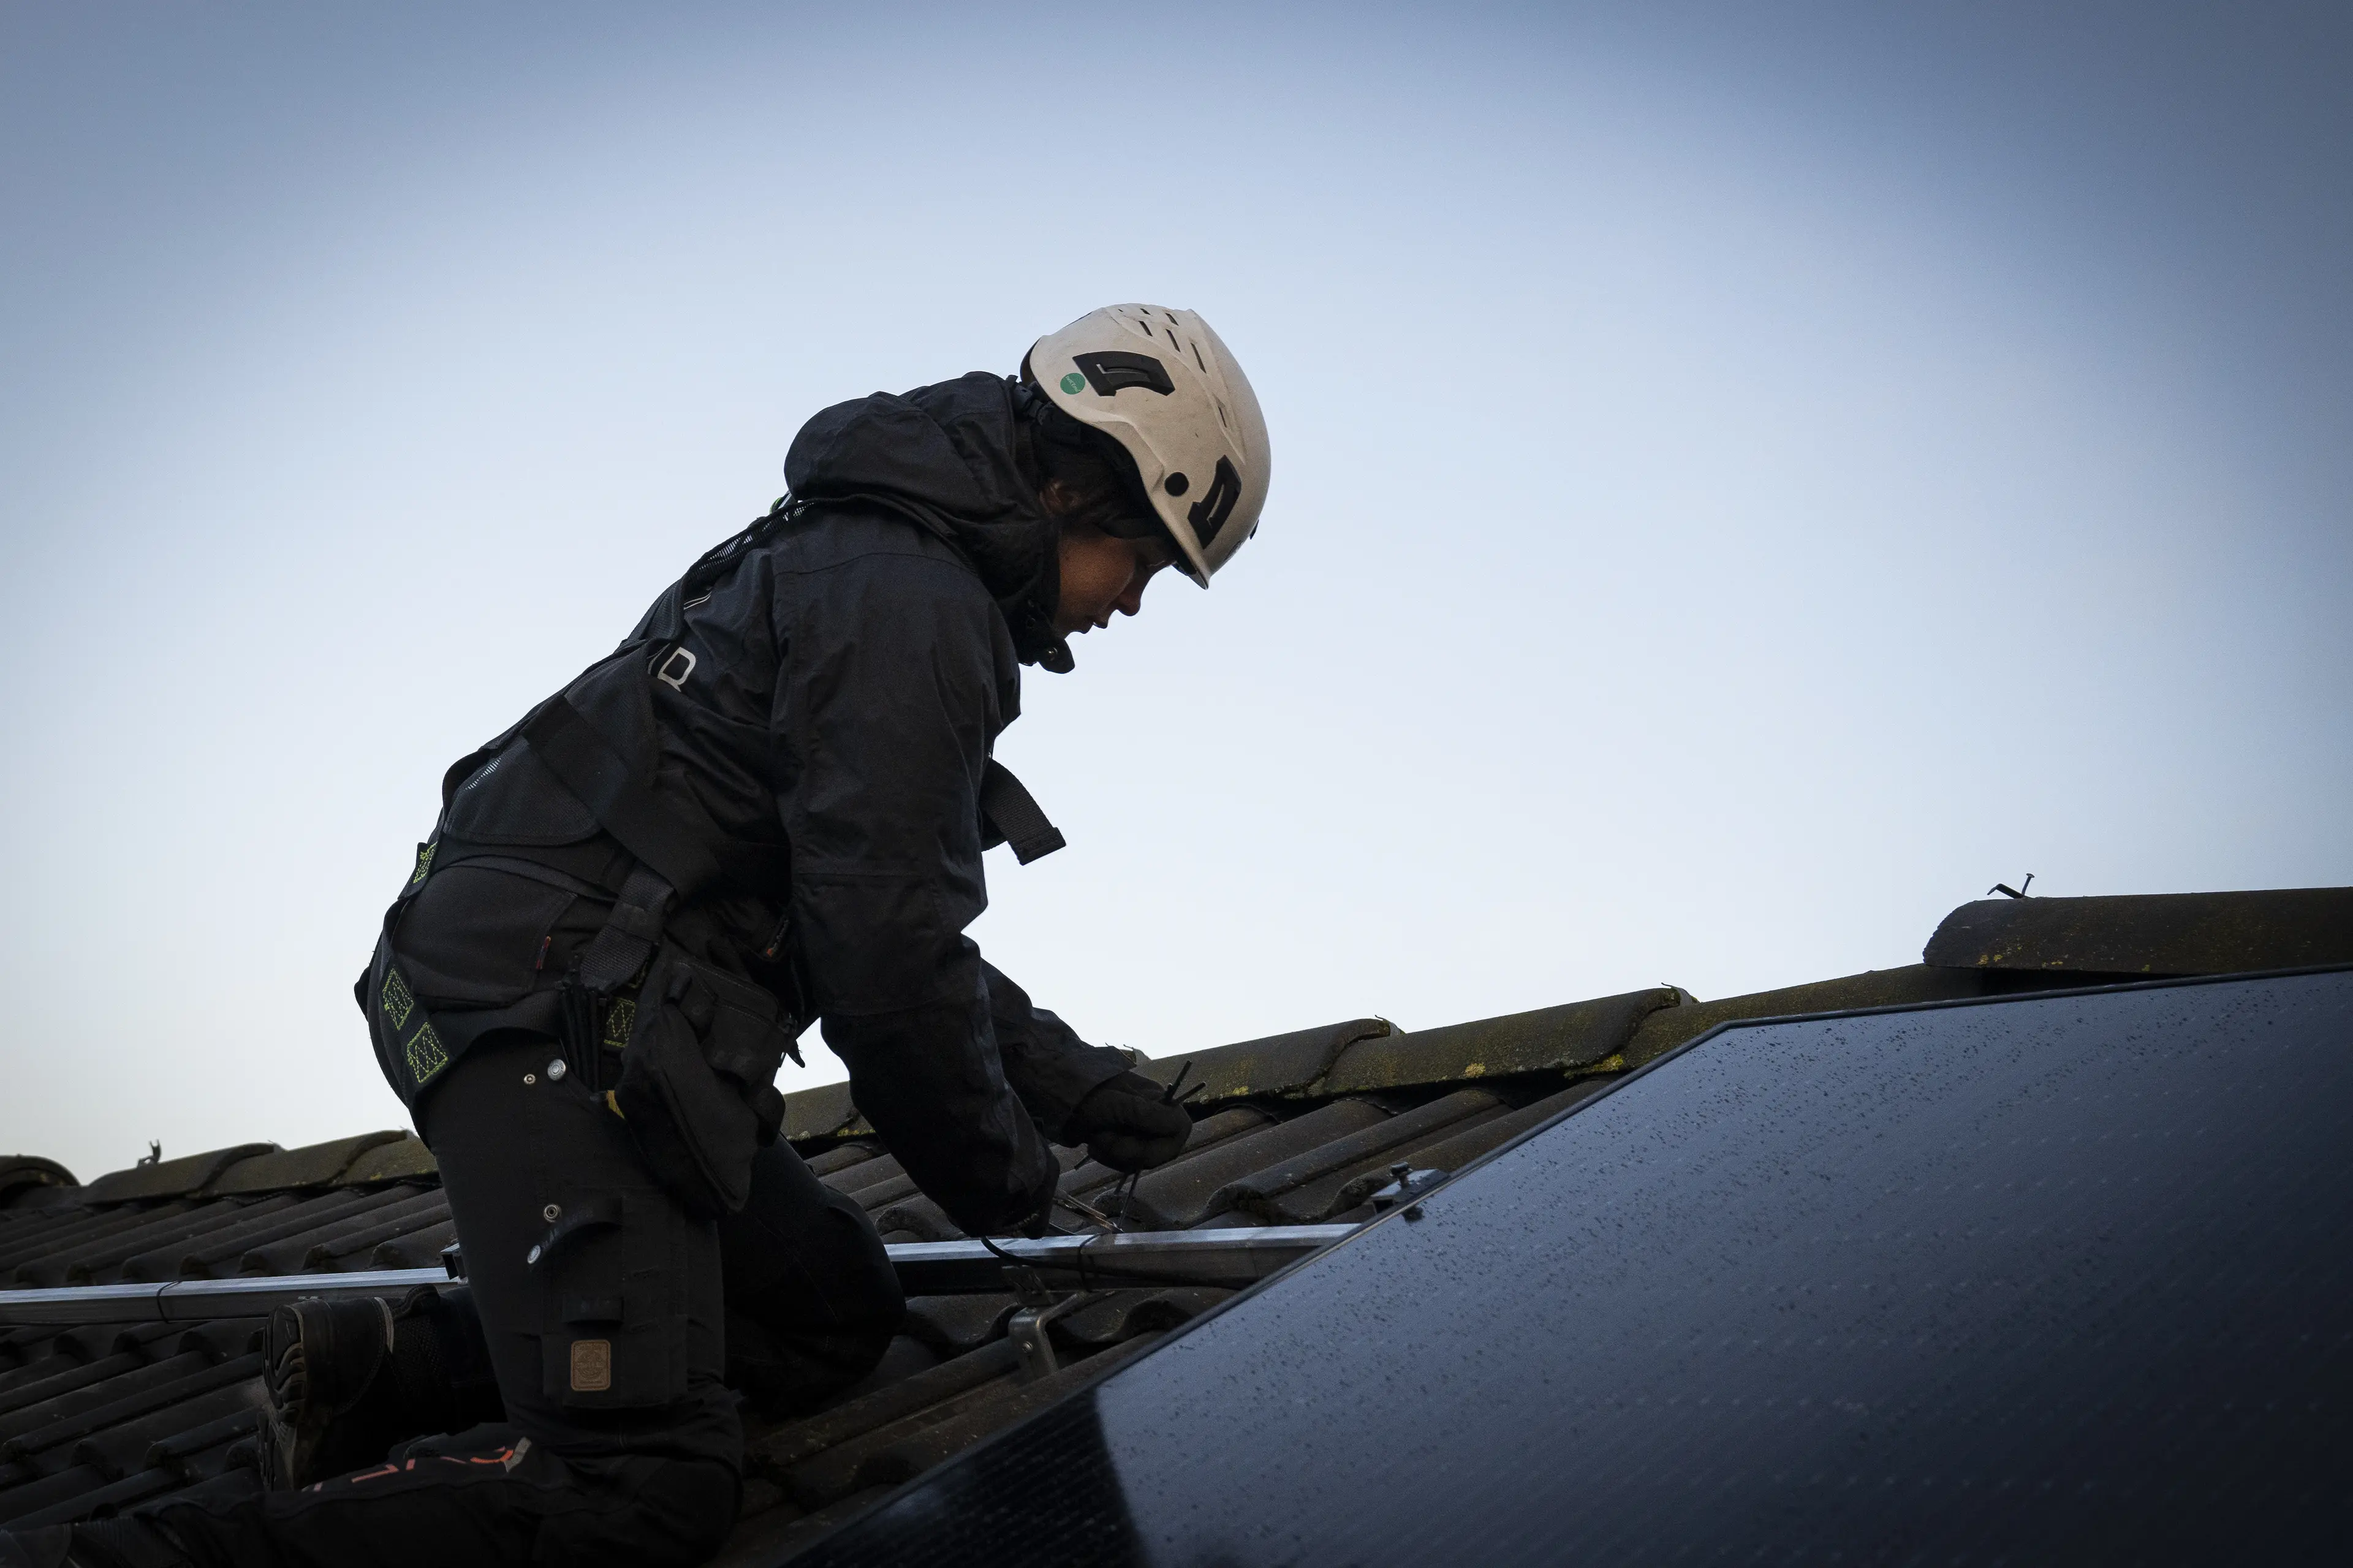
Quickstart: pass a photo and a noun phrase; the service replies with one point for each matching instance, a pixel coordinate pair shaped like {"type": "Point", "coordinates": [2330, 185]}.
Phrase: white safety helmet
{"type": "Point", "coordinates": [1163, 386]}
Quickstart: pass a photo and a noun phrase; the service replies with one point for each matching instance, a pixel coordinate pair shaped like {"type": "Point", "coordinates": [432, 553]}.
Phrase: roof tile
{"type": "Point", "coordinates": [1274, 1192]}
{"type": "Point", "coordinates": [21, 1174]}
{"type": "Point", "coordinates": [2152, 934]}
{"type": "Point", "coordinates": [1291, 1064]}
{"type": "Point", "coordinates": [1664, 1031]}
{"type": "Point", "coordinates": [180, 1178]}
{"type": "Point", "coordinates": [314, 1166]}
{"type": "Point", "coordinates": [1196, 1187]}
{"type": "Point", "coordinates": [1578, 1034]}
{"type": "Point", "coordinates": [406, 1160]}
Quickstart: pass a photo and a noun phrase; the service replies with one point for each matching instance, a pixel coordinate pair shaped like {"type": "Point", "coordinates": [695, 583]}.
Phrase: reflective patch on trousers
{"type": "Point", "coordinates": [399, 1001]}
{"type": "Point", "coordinates": [425, 1053]}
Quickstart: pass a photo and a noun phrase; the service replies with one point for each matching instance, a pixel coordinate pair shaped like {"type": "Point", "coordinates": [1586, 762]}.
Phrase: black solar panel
{"type": "Point", "coordinates": [2063, 1277]}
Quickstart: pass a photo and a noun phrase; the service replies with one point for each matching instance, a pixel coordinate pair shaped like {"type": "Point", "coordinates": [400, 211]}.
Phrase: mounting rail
{"type": "Point", "coordinates": [1230, 1259]}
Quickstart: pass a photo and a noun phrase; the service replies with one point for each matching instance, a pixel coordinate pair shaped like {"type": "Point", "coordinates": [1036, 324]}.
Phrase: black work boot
{"type": "Point", "coordinates": [349, 1379]}
{"type": "Point", "coordinates": [324, 1360]}
{"type": "Point", "coordinates": [440, 1366]}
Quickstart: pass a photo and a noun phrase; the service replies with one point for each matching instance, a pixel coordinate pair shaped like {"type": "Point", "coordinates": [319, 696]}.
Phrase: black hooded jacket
{"type": "Point", "coordinates": [849, 675]}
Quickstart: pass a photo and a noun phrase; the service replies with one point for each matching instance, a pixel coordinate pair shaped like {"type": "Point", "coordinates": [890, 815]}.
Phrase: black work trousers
{"type": "Point", "coordinates": [616, 1324]}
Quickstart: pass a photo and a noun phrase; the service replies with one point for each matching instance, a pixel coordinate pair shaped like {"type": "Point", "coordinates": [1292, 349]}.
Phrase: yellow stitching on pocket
{"type": "Point", "coordinates": [426, 1056]}
{"type": "Point", "coordinates": [619, 1019]}
{"type": "Point", "coordinates": [398, 1000]}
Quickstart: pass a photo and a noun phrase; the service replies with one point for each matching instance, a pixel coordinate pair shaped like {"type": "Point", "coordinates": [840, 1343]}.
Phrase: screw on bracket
{"type": "Point", "coordinates": [1033, 1347]}
{"type": "Point", "coordinates": [2017, 892]}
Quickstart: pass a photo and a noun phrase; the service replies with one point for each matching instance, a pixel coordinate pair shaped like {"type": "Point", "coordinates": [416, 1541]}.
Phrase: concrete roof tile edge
{"type": "Point", "coordinates": [251, 1170]}
{"type": "Point", "coordinates": [1355, 1057]}
{"type": "Point", "coordinates": [2150, 933]}
{"type": "Point", "coordinates": [184, 1177]}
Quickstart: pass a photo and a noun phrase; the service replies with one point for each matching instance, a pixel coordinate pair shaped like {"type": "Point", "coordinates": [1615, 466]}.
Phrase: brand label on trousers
{"type": "Point", "coordinates": [592, 1365]}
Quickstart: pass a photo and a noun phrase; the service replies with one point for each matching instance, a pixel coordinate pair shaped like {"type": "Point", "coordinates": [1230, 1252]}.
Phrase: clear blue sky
{"type": "Point", "coordinates": [1746, 478]}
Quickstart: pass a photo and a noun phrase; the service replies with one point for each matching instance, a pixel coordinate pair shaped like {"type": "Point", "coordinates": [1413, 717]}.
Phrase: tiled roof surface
{"type": "Point", "coordinates": [1299, 1128]}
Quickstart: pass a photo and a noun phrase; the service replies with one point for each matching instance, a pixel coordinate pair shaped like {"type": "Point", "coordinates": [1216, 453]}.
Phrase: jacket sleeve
{"type": "Point", "coordinates": [886, 702]}
{"type": "Point", "coordinates": [1049, 1068]}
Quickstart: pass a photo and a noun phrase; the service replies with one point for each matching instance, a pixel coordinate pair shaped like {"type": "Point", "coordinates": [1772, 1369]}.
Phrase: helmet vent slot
{"type": "Point", "coordinates": [1209, 514]}
{"type": "Point", "coordinates": [1111, 372]}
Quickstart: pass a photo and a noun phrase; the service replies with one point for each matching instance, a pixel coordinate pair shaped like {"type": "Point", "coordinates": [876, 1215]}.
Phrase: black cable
{"type": "Point", "coordinates": [1168, 1096]}
{"type": "Point", "coordinates": [1084, 1269]}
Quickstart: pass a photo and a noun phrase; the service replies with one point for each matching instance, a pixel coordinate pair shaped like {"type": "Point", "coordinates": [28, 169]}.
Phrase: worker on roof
{"type": "Point", "coordinates": [767, 806]}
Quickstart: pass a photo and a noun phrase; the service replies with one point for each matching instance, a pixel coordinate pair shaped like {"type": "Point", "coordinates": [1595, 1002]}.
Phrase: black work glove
{"type": "Point", "coordinates": [1125, 1124]}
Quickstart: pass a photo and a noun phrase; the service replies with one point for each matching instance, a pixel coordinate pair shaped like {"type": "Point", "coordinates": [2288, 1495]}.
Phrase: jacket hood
{"type": "Point", "coordinates": [952, 458]}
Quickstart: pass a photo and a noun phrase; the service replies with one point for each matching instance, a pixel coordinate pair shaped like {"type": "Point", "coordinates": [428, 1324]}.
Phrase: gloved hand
{"type": "Point", "coordinates": [1126, 1125]}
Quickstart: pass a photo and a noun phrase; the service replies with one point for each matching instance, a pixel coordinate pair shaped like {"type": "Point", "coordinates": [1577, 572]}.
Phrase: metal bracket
{"type": "Point", "coordinates": [1406, 1185]}
{"type": "Point", "coordinates": [1026, 1330]}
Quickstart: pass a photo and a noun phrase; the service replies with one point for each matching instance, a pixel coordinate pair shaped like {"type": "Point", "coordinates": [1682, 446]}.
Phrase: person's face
{"type": "Point", "coordinates": [1102, 573]}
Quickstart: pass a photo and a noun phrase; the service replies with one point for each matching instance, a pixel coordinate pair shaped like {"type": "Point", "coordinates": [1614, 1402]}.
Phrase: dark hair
{"type": "Point", "coordinates": [1085, 476]}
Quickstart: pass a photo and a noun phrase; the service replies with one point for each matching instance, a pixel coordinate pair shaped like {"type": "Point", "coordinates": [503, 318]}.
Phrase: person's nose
{"type": "Point", "coordinates": [1132, 599]}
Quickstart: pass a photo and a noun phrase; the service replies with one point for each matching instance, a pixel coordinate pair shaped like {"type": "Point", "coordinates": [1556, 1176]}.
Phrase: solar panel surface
{"type": "Point", "coordinates": [2047, 1278]}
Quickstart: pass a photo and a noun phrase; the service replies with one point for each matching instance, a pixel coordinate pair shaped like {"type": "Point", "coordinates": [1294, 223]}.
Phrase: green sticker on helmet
{"type": "Point", "coordinates": [1074, 383]}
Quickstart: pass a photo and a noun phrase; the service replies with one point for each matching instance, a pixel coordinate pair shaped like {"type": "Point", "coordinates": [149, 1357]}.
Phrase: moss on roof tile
{"type": "Point", "coordinates": [1286, 1065]}
{"type": "Point", "coordinates": [1664, 1031]}
{"type": "Point", "coordinates": [23, 1172]}
{"type": "Point", "coordinates": [288, 1170]}
{"type": "Point", "coordinates": [180, 1178]}
{"type": "Point", "coordinates": [404, 1159]}
{"type": "Point", "coordinates": [2152, 934]}
{"type": "Point", "coordinates": [823, 1111]}
{"type": "Point", "coordinates": [1549, 1039]}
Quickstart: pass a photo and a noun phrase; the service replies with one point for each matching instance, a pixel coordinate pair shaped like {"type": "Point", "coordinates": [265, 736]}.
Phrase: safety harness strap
{"type": "Point", "coordinates": [593, 768]}
{"type": "Point", "coordinates": [1014, 814]}
{"type": "Point", "coordinates": [630, 934]}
